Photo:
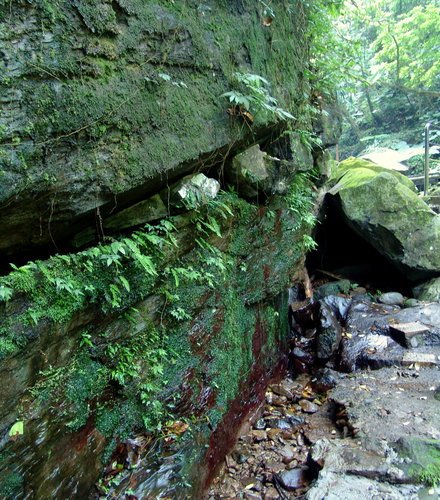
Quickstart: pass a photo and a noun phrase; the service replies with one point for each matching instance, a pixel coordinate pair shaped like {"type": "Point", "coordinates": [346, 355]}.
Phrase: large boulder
{"type": "Point", "coordinates": [383, 207]}
{"type": "Point", "coordinates": [106, 103]}
{"type": "Point", "coordinates": [429, 291]}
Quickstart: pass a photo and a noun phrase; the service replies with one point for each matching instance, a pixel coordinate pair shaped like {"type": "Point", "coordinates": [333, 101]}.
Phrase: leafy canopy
{"type": "Point", "coordinates": [407, 48]}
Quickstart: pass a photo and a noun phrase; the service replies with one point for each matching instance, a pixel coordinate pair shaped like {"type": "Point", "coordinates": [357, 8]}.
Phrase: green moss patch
{"type": "Point", "coordinates": [424, 455]}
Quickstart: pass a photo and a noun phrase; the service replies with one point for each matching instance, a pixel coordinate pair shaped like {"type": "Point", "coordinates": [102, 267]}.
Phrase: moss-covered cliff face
{"type": "Point", "coordinates": [156, 340]}
{"type": "Point", "coordinates": [105, 101]}
{"type": "Point", "coordinates": [183, 322]}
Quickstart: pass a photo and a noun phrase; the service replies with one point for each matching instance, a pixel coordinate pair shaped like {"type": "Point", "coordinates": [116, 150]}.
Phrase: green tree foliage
{"type": "Point", "coordinates": [393, 42]}
{"type": "Point", "coordinates": [392, 71]}
{"type": "Point", "coordinates": [407, 48]}
{"type": "Point", "coordinates": [328, 64]}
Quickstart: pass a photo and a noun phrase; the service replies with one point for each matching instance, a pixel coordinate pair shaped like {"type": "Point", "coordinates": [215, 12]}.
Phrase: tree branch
{"type": "Point", "coordinates": [426, 93]}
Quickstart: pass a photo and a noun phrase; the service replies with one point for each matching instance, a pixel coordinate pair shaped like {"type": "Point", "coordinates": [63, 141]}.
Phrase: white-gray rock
{"type": "Point", "coordinates": [391, 299]}
{"type": "Point", "coordinates": [193, 191]}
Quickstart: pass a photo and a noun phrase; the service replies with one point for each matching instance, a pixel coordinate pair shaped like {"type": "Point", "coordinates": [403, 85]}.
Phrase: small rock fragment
{"type": "Point", "coordinates": [411, 303]}
{"type": "Point", "coordinates": [279, 400]}
{"type": "Point", "coordinates": [192, 191]}
{"type": "Point", "coordinates": [291, 480]}
{"type": "Point", "coordinates": [281, 390]}
{"type": "Point", "coordinates": [260, 424]}
{"type": "Point", "coordinates": [271, 494]}
{"type": "Point", "coordinates": [249, 495]}
{"type": "Point", "coordinates": [259, 435]}
{"type": "Point", "coordinates": [308, 406]}
{"type": "Point", "coordinates": [359, 290]}
{"type": "Point", "coordinates": [325, 379]}
{"type": "Point", "coordinates": [274, 433]}
{"type": "Point", "coordinates": [303, 356]}
{"type": "Point", "coordinates": [339, 305]}
{"type": "Point", "coordinates": [288, 453]}
{"type": "Point", "coordinates": [333, 288]}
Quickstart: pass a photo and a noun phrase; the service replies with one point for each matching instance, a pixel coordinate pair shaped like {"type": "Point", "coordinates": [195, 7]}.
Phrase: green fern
{"type": "Point", "coordinates": [258, 97]}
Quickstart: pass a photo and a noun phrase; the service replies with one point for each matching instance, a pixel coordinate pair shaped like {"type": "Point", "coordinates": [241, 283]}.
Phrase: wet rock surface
{"type": "Point", "coordinates": [273, 460]}
{"type": "Point", "coordinates": [373, 432]}
{"type": "Point", "coordinates": [383, 411]}
{"type": "Point", "coordinates": [368, 339]}
{"type": "Point", "coordinates": [381, 404]}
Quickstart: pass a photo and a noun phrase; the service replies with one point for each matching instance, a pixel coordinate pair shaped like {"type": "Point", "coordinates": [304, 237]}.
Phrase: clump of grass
{"type": "Point", "coordinates": [430, 475]}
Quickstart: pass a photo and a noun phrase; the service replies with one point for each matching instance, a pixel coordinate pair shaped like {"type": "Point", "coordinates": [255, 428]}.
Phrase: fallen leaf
{"type": "Point", "coordinates": [178, 427]}
{"type": "Point", "coordinates": [16, 430]}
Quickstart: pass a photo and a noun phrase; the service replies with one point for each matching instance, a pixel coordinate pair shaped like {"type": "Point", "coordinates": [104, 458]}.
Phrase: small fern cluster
{"type": "Point", "coordinates": [257, 98]}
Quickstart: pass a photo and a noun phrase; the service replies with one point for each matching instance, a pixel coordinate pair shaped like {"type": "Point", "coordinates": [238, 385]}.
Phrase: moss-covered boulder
{"type": "Point", "coordinates": [429, 291]}
{"type": "Point", "coordinates": [382, 206]}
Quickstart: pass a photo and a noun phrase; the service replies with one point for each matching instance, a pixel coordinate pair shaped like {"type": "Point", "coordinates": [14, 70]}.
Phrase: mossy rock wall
{"type": "Point", "coordinates": [105, 102]}
{"type": "Point", "coordinates": [176, 325]}
{"type": "Point", "coordinates": [181, 322]}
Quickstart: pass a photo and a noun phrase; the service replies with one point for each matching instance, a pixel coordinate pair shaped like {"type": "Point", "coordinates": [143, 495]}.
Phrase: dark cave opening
{"type": "Point", "coordinates": [344, 253]}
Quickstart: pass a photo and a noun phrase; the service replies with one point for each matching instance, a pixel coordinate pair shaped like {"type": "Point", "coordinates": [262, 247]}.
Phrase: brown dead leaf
{"type": "Point", "coordinates": [177, 428]}
{"type": "Point", "coordinates": [307, 392]}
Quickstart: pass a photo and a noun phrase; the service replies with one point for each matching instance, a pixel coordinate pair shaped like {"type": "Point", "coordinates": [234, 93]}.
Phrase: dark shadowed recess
{"type": "Point", "coordinates": [343, 252]}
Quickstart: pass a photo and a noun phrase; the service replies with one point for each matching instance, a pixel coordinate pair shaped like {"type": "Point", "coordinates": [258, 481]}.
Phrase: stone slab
{"type": "Point", "coordinates": [409, 334]}
{"type": "Point", "coordinates": [420, 358]}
